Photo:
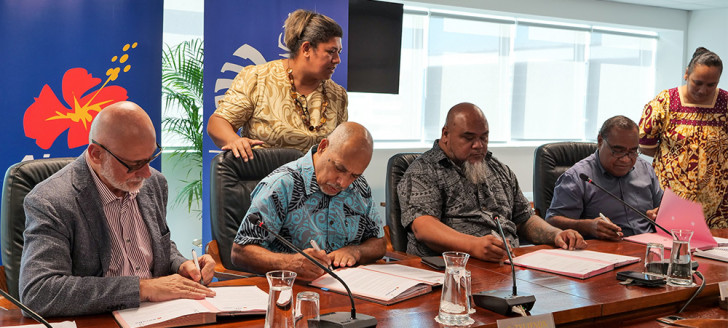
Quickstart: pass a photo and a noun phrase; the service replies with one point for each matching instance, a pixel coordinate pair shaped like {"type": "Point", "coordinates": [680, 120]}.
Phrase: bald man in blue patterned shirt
{"type": "Point", "coordinates": [321, 196]}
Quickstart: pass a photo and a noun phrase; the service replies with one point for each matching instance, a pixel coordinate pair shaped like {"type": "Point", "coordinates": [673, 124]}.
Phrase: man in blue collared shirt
{"type": "Point", "coordinates": [321, 196]}
{"type": "Point", "coordinates": [616, 166]}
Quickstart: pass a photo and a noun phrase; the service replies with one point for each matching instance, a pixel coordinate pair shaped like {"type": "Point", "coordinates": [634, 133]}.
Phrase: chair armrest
{"type": "Point", "coordinates": [221, 273]}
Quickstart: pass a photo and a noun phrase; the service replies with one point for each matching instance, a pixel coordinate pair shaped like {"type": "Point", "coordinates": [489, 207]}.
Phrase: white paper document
{"type": "Point", "coordinates": [236, 300]}
{"type": "Point", "coordinates": [427, 276]}
{"type": "Point", "coordinates": [149, 313]}
{"type": "Point", "coordinates": [239, 299]}
{"type": "Point", "coordinates": [382, 285]}
{"type": "Point", "coordinates": [580, 264]}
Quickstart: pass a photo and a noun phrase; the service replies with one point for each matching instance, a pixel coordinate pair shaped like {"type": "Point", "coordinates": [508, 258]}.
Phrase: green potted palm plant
{"type": "Point", "coordinates": [182, 94]}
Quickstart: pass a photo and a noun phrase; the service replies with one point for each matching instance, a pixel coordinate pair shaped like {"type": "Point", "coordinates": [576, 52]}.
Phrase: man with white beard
{"type": "Point", "coordinates": [451, 195]}
{"type": "Point", "coordinates": [96, 236]}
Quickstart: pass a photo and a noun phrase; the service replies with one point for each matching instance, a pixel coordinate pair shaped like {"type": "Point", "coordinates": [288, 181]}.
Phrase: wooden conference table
{"type": "Point", "coordinates": [599, 300]}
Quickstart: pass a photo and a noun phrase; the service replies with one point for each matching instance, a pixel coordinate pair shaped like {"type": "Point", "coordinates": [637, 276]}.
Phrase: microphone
{"type": "Point", "coordinates": [587, 179]}
{"type": "Point", "coordinates": [500, 301]}
{"type": "Point", "coordinates": [333, 319]}
{"type": "Point", "coordinates": [26, 309]}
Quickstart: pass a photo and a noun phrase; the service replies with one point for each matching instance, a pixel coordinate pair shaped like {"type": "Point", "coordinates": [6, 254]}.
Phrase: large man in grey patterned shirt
{"type": "Point", "coordinates": [451, 195]}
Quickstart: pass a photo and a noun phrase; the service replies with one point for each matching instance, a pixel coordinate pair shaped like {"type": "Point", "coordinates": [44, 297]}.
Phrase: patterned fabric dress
{"type": "Point", "coordinates": [259, 100]}
{"type": "Point", "coordinates": [691, 144]}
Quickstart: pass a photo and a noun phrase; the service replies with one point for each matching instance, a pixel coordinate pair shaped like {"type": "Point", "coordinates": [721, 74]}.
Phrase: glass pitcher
{"type": "Point", "coordinates": [280, 299]}
{"type": "Point", "coordinates": [455, 300]}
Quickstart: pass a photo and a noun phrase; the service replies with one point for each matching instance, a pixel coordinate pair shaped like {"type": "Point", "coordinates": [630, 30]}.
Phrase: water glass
{"type": "Point", "coordinates": [280, 299]}
{"type": "Point", "coordinates": [455, 299]}
{"type": "Point", "coordinates": [307, 310]}
{"type": "Point", "coordinates": [680, 272]}
{"type": "Point", "coordinates": [655, 260]}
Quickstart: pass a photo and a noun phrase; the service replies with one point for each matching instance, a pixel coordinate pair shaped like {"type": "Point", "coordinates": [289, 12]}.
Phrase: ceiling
{"type": "Point", "coordinates": [679, 4]}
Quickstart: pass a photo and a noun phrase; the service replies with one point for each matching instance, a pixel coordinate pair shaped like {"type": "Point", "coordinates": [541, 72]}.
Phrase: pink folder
{"type": "Point", "coordinates": [678, 213]}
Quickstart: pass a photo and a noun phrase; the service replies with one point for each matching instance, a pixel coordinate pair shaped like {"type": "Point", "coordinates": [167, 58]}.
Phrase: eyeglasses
{"type": "Point", "coordinates": [619, 154]}
{"type": "Point", "coordinates": [137, 164]}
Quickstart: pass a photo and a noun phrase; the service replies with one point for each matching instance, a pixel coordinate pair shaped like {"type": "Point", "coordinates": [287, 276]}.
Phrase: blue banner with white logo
{"type": "Point", "coordinates": [243, 33]}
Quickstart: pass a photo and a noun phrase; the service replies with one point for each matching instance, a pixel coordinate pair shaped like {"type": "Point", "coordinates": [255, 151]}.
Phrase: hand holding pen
{"type": "Point", "coordinates": [316, 247]}
{"type": "Point", "coordinates": [606, 229]}
{"type": "Point", "coordinates": [197, 265]}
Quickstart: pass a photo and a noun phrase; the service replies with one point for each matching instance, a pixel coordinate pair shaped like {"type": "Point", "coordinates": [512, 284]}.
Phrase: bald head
{"type": "Point", "coordinates": [465, 134]}
{"type": "Point", "coordinates": [342, 157]}
{"type": "Point", "coordinates": [351, 136]}
{"type": "Point", "coordinates": [122, 123]}
{"type": "Point", "coordinates": [122, 142]}
{"type": "Point", "coordinates": [463, 112]}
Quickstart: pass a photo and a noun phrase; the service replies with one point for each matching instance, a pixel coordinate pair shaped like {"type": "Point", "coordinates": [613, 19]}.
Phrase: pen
{"type": "Point", "coordinates": [316, 247]}
{"type": "Point", "coordinates": [609, 221]}
{"type": "Point", "coordinates": [197, 265]}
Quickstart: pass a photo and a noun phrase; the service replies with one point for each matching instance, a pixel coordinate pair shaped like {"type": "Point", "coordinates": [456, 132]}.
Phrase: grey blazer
{"type": "Point", "coordinates": [67, 247]}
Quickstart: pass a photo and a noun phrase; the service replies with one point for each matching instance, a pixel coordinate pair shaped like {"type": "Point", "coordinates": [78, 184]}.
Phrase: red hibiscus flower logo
{"type": "Point", "coordinates": [48, 117]}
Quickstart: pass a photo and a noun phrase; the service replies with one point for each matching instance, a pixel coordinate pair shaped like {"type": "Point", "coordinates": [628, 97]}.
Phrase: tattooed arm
{"type": "Point", "coordinates": [539, 231]}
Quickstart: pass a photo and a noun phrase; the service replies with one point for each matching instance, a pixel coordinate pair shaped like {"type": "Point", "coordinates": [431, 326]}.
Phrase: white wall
{"type": "Point", "coordinates": [607, 12]}
{"type": "Point", "coordinates": [708, 28]}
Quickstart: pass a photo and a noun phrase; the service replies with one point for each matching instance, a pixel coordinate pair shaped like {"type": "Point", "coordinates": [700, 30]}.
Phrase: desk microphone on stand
{"type": "Point", "coordinates": [502, 301]}
{"type": "Point", "coordinates": [26, 309]}
{"type": "Point", "coordinates": [333, 319]}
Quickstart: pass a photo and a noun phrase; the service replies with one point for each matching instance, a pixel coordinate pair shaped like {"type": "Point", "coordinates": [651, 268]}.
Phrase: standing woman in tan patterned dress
{"type": "Point", "coordinates": [286, 103]}
{"type": "Point", "coordinates": [685, 129]}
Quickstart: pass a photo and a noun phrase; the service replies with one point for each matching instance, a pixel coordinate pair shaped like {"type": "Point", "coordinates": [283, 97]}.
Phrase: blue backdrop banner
{"type": "Point", "coordinates": [242, 33]}
{"type": "Point", "coordinates": [64, 61]}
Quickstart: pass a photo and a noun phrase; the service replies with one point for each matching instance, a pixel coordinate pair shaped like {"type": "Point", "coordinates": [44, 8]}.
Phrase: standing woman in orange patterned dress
{"type": "Point", "coordinates": [285, 103]}
{"type": "Point", "coordinates": [685, 129]}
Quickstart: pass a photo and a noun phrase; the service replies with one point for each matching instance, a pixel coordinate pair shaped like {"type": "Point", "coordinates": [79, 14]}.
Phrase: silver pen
{"type": "Point", "coordinates": [316, 247]}
{"type": "Point", "coordinates": [197, 265]}
{"type": "Point", "coordinates": [619, 234]}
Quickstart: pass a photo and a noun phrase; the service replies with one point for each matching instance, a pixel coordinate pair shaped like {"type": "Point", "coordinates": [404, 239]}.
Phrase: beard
{"type": "Point", "coordinates": [130, 185]}
{"type": "Point", "coordinates": [476, 173]}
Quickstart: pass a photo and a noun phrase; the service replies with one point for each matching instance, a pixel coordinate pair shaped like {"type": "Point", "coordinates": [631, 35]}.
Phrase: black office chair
{"type": "Point", "coordinates": [396, 167]}
{"type": "Point", "coordinates": [231, 182]}
{"type": "Point", "coordinates": [551, 160]}
{"type": "Point", "coordinates": [19, 181]}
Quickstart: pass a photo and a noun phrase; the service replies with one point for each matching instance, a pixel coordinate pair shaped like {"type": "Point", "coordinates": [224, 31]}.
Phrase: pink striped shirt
{"type": "Point", "coordinates": [131, 248]}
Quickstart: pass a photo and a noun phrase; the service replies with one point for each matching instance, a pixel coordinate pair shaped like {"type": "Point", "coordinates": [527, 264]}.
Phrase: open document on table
{"type": "Point", "coordinates": [234, 300]}
{"type": "Point", "coordinates": [382, 283]}
{"type": "Point", "coordinates": [580, 264]}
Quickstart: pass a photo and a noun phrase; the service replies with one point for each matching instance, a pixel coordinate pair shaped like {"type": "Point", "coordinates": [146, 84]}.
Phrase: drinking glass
{"type": "Point", "coordinates": [307, 310]}
{"type": "Point", "coordinates": [655, 259]}
{"type": "Point", "coordinates": [680, 272]}
{"type": "Point", "coordinates": [455, 300]}
{"type": "Point", "coordinates": [280, 299]}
